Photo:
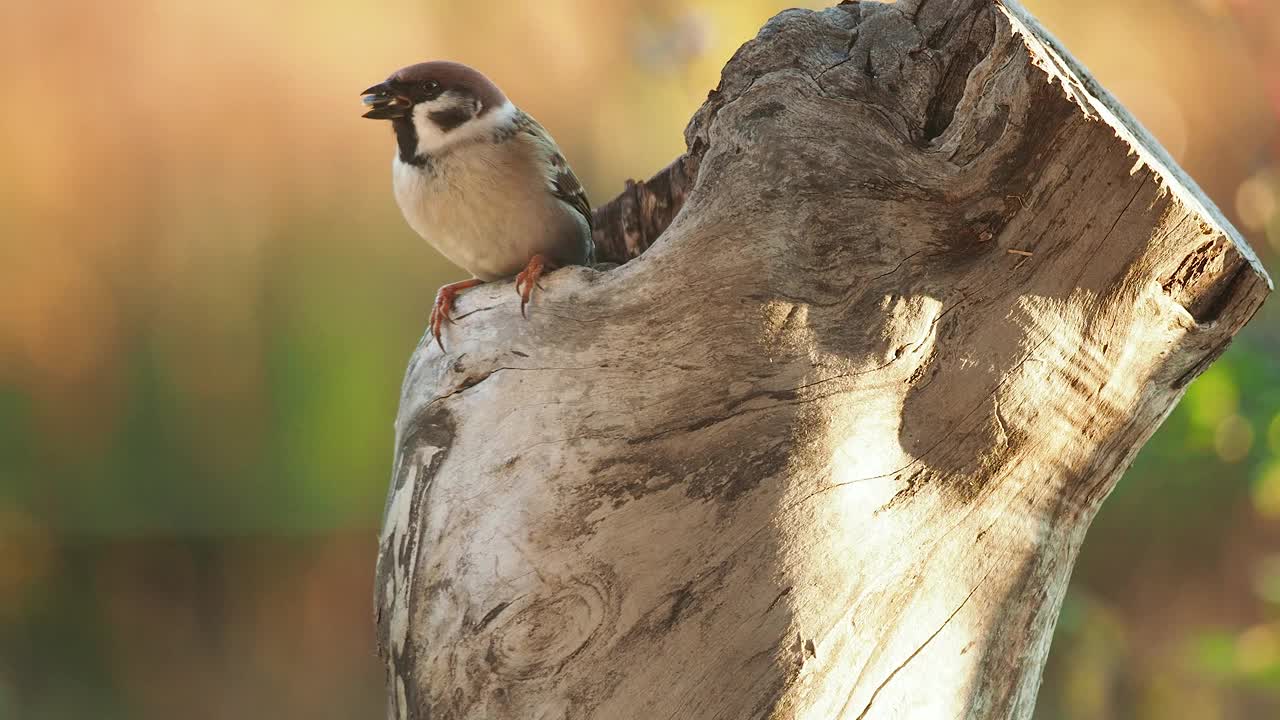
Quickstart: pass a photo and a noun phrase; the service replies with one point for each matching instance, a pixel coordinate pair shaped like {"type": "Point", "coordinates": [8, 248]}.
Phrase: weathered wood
{"type": "Point", "coordinates": [828, 448]}
{"type": "Point", "coordinates": [627, 225]}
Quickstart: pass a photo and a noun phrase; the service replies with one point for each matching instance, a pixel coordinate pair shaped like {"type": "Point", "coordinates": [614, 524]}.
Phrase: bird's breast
{"type": "Point", "coordinates": [486, 209]}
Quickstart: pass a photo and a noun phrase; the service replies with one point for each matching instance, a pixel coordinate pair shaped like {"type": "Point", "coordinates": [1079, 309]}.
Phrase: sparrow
{"type": "Point", "coordinates": [480, 180]}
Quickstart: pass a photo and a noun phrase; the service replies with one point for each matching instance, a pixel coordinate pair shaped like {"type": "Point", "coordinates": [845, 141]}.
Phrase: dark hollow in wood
{"type": "Point", "coordinates": [627, 225]}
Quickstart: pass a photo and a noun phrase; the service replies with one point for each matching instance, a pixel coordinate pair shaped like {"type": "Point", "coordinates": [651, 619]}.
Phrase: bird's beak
{"type": "Point", "coordinates": [384, 103]}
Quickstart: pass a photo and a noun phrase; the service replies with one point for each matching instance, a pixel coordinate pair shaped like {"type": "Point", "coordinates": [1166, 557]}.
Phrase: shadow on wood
{"type": "Point", "coordinates": [828, 448]}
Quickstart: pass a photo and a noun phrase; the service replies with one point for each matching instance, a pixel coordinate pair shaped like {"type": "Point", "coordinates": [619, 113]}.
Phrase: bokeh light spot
{"type": "Point", "coordinates": [1256, 200]}
{"type": "Point", "coordinates": [1212, 398]}
{"type": "Point", "coordinates": [1257, 649]}
{"type": "Point", "coordinates": [1233, 439]}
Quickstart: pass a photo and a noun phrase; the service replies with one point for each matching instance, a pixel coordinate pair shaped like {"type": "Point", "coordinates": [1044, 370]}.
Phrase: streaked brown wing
{"type": "Point", "coordinates": [565, 185]}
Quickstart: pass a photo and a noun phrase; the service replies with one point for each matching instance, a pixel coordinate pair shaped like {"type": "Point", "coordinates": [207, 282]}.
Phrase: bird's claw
{"type": "Point", "coordinates": [444, 304]}
{"type": "Point", "coordinates": [528, 279]}
{"type": "Point", "coordinates": [440, 313]}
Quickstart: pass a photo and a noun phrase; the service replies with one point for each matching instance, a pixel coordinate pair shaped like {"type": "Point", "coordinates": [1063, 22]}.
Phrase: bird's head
{"type": "Point", "coordinates": [434, 105]}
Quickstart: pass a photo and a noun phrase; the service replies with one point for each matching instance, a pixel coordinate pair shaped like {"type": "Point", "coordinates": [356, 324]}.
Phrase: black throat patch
{"type": "Point", "coordinates": [407, 142]}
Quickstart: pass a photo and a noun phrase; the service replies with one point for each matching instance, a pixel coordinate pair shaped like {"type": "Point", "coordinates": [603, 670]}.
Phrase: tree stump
{"type": "Point", "coordinates": [827, 448]}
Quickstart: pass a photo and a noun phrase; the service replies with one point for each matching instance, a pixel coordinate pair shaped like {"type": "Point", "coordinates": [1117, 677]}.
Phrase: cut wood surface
{"type": "Point", "coordinates": [828, 447]}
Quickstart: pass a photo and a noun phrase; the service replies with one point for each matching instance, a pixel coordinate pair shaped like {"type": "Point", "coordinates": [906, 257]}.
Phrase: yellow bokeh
{"type": "Point", "coordinates": [1258, 649]}
{"type": "Point", "coordinates": [1233, 438]}
{"type": "Point", "coordinates": [1212, 398]}
{"type": "Point", "coordinates": [1256, 200]}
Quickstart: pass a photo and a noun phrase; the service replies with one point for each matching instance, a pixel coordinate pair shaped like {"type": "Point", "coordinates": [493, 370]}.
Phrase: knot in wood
{"type": "Point", "coordinates": [537, 639]}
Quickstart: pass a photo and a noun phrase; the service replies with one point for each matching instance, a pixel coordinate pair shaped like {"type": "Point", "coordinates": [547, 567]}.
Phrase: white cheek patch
{"type": "Point", "coordinates": [432, 138]}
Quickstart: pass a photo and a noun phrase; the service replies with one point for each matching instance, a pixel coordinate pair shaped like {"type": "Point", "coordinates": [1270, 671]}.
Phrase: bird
{"type": "Point", "coordinates": [480, 180]}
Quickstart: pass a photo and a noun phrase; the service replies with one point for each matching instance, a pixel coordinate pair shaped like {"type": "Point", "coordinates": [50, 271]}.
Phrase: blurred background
{"type": "Point", "coordinates": [208, 298]}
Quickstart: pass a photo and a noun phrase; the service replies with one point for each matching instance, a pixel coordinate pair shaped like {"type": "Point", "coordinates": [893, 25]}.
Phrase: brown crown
{"type": "Point", "coordinates": [452, 76]}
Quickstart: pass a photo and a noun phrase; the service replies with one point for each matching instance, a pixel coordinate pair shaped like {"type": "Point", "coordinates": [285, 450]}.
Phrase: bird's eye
{"type": "Point", "coordinates": [432, 89]}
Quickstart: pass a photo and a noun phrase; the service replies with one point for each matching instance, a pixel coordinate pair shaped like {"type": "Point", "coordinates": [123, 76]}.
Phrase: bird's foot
{"type": "Point", "coordinates": [444, 303]}
{"type": "Point", "coordinates": [528, 279]}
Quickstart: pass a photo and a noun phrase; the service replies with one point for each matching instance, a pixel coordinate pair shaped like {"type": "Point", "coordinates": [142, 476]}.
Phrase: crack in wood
{"type": "Point", "coordinates": [875, 693]}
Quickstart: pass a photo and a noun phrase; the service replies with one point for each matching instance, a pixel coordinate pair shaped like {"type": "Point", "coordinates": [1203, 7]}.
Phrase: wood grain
{"type": "Point", "coordinates": [827, 448]}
